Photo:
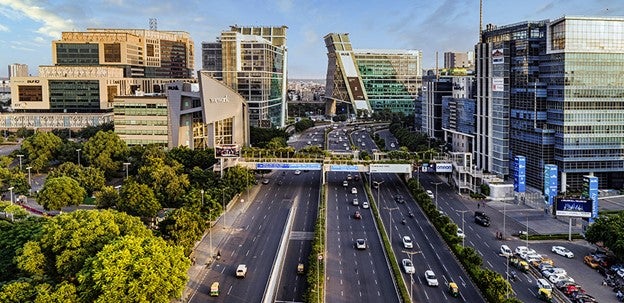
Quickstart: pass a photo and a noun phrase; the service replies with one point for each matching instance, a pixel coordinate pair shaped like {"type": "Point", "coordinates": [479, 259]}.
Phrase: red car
{"type": "Point", "coordinates": [357, 215]}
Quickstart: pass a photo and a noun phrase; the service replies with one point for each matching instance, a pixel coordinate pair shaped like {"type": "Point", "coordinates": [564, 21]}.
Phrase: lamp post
{"type": "Point", "coordinates": [436, 193]}
{"type": "Point", "coordinates": [463, 230]}
{"type": "Point", "coordinates": [527, 230]}
{"type": "Point", "coordinates": [411, 253]}
{"type": "Point", "coordinates": [390, 209]}
{"type": "Point", "coordinates": [78, 151]}
{"type": "Point", "coordinates": [126, 164]}
{"type": "Point", "coordinates": [29, 182]}
{"type": "Point", "coordinates": [209, 226]}
{"type": "Point", "coordinates": [378, 185]}
{"type": "Point", "coordinates": [504, 219]}
{"type": "Point", "coordinates": [118, 188]}
{"type": "Point", "coordinates": [20, 161]}
{"type": "Point", "coordinates": [11, 193]}
{"type": "Point", "coordinates": [224, 206]}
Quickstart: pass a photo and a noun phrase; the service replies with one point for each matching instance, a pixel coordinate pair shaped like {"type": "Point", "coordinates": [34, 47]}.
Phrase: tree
{"type": "Point", "coordinates": [106, 151]}
{"type": "Point", "coordinates": [17, 292]}
{"type": "Point", "coordinates": [183, 227]}
{"type": "Point", "coordinates": [107, 197]}
{"type": "Point", "coordinates": [191, 158]}
{"type": "Point", "coordinates": [303, 124]}
{"type": "Point", "coordinates": [60, 192]}
{"type": "Point", "coordinates": [260, 137]}
{"type": "Point", "coordinates": [138, 200]}
{"type": "Point", "coordinates": [237, 178]}
{"type": "Point", "coordinates": [13, 178]}
{"type": "Point", "coordinates": [608, 229]}
{"type": "Point", "coordinates": [277, 143]}
{"type": "Point", "coordinates": [12, 238]}
{"type": "Point", "coordinates": [135, 269]}
{"type": "Point", "coordinates": [166, 180]}
{"type": "Point", "coordinates": [67, 152]}
{"type": "Point", "coordinates": [91, 178]}
{"type": "Point", "coordinates": [40, 149]}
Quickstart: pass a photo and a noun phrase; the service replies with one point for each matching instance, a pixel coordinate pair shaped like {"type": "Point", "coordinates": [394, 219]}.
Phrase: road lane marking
{"type": "Point", "coordinates": [490, 264]}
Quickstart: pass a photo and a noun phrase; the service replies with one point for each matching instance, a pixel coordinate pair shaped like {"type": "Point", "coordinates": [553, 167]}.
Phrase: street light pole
{"type": "Point", "coordinates": [20, 161]}
{"type": "Point", "coordinates": [436, 193]}
{"type": "Point", "coordinates": [78, 151]}
{"type": "Point", "coordinates": [209, 226]}
{"type": "Point", "coordinates": [390, 209]}
{"type": "Point", "coordinates": [504, 219]}
{"type": "Point", "coordinates": [411, 253]}
{"type": "Point", "coordinates": [11, 193]}
{"type": "Point", "coordinates": [126, 164]}
{"type": "Point", "coordinates": [527, 230]}
{"type": "Point", "coordinates": [463, 230]}
{"type": "Point", "coordinates": [29, 182]}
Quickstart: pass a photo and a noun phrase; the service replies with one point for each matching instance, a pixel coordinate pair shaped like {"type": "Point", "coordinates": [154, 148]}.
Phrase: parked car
{"type": "Point", "coordinates": [562, 251]}
{"type": "Point", "coordinates": [408, 266]}
{"type": "Point", "coordinates": [431, 278]}
{"type": "Point", "coordinates": [589, 260]}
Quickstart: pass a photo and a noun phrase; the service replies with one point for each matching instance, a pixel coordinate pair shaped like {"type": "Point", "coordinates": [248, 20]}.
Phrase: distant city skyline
{"type": "Point", "coordinates": [28, 27]}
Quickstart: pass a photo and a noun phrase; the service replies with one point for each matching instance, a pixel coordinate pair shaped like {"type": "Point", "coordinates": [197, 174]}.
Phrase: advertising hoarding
{"type": "Point", "coordinates": [443, 167]}
{"type": "Point", "coordinates": [498, 84]}
{"type": "Point", "coordinates": [550, 183]}
{"type": "Point", "coordinates": [519, 174]}
{"type": "Point", "coordinates": [590, 191]}
{"type": "Point", "coordinates": [227, 151]}
{"type": "Point", "coordinates": [391, 168]}
{"type": "Point", "coordinates": [289, 166]}
{"type": "Point", "coordinates": [349, 168]}
{"type": "Point", "coordinates": [498, 56]}
{"type": "Point", "coordinates": [573, 207]}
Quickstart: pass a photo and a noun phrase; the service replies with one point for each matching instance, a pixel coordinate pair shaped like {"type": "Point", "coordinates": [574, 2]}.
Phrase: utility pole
{"type": "Point", "coordinates": [436, 193]}
{"type": "Point", "coordinates": [390, 209]}
{"type": "Point", "coordinates": [29, 182]}
{"type": "Point", "coordinates": [126, 164]}
{"type": "Point", "coordinates": [20, 161]}
{"type": "Point", "coordinates": [463, 230]}
{"type": "Point", "coordinates": [411, 253]}
{"type": "Point", "coordinates": [78, 151]}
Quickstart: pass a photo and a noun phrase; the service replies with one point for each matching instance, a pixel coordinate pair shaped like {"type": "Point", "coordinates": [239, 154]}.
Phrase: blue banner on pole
{"type": "Point", "coordinates": [289, 166]}
{"type": "Point", "coordinates": [590, 191]}
{"type": "Point", "coordinates": [550, 183]}
{"type": "Point", "coordinates": [519, 174]}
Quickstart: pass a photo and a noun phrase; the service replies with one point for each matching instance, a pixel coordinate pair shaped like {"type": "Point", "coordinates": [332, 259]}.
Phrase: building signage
{"type": "Point", "coordinates": [223, 99]}
{"type": "Point", "coordinates": [519, 174]}
{"type": "Point", "coordinates": [289, 166]}
{"type": "Point", "coordinates": [550, 183]}
{"type": "Point", "coordinates": [498, 84]}
{"type": "Point", "coordinates": [391, 168]}
{"type": "Point", "coordinates": [498, 57]}
{"type": "Point", "coordinates": [227, 151]}
{"type": "Point", "coordinates": [574, 207]}
{"type": "Point", "coordinates": [443, 168]}
{"type": "Point", "coordinates": [590, 191]}
{"type": "Point", "coordinates": [353, 168]}
{"type": "Point", "coordinates": [32, 81]}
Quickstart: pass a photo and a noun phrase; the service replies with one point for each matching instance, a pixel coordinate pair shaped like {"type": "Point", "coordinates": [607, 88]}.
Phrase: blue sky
{"type": "Point", "coordinates": [27, 27]}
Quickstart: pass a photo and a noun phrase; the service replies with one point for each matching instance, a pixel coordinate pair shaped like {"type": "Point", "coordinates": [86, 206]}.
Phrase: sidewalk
{"type": "Point", "coordinates": [220, 231]}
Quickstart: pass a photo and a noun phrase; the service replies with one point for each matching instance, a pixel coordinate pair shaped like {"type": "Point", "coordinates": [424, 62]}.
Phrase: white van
{"type": "Point", "coordinates": [354, 190]}
{"type": "Point", "coordinates": [345, 183]}
{"type": "Point", "coordinates": [505, 251]}
{"type": "Point", "coordinates": [542, 283]}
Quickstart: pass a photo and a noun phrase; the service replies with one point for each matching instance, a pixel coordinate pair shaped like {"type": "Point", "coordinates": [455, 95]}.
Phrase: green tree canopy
{"type": "Point", "coordinates": [107, 197]}
{"type": "Point", "coordinates": [90, 178]}
{"type": "Point", "coordinates": [12, 238]}
{"type": "Point", "coordinates": [191, 158]}
{"type": "Point", "coordinates": [135, 269]}
{"type": "Point", "coordinates": [608, 229]}
{"type": "Point", "coordinates": [138, 200]}
{"type": "Point", "coordinates": [60, 192]}
{"type": "Point", "coordinates": [303, 124]}
{"type": "Point", "coordinates": [166, 180]}
{"type": "Point", "coordinates": [105, 151]}
{"type": "Point", "coordinates": [183, 227]}
{"type": "Point", "coordinates": [40, 149]}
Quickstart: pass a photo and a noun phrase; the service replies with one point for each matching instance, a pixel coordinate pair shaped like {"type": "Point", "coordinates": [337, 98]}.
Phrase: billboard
{"type": "Point", "coordinates": [519, 174]}
{"type": "Point", "coordinates": [550, 183]}
{"type": "Point", "coordinates": [590, 191]}
{"type": "Point", "coordinates": [289, 166]}
{"type": "Point", "coordinates": [498, 57]}
{"type": "Point", "coordinates": [443, 167]}
{"type": "Point", "coordinates": [574, 207]}
{"type": "Point", "coordinates": [391, 168]}
{"type": "Point", "coordinates": [498, 84]}
{"type": "Point", "coordinates": [227, 151]}
{"type": "Point", "coordinates": [349, 168]}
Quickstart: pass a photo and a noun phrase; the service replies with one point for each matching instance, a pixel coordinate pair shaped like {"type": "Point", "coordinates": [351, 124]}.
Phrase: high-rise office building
{"type": "Point", "coordinates": [434, 88]}
{"type": "Point", "coordinates": [371, 80]}
{"type": "Point", "coordinates": [253, 61]}
{"type": "Point", "coordinates": [90, 69]}
{"type": "Point", "coordinates": [458, 60]}
{"type": "Point", "coordinates": [18, 70]}
{"type": "Point", "coordinates": [551, 91]}
{"type": "Point", "coordinates": [458, 115]}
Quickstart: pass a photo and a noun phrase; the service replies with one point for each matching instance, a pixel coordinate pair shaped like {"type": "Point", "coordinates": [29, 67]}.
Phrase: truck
{"type": "Point", "coordinates": [241, 271]}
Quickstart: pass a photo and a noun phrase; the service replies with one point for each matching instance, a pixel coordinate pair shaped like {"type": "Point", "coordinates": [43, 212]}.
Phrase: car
{"type": "Point", "coordinates": [431, 278]}
{"type": "Point", "coordinates": [297, 172]}
{"type": "Point", "coordinates": [241, 271]}
{"type": "Point", "coordinates": [521, 250]}
{"type": "Point", "coordinates": [562, 251]}
{"type": "Point", "coordinates": [559, 277]}
{"type": "Point", "coordinates": [481, 218]}
{"type": "Point", "coordinates": [399, 198]}
{"type": "Point", "coordinates": [360, 244]}
{"type": "Point", "coordinates": [553, 271]}
{"type": "Point", "coordinates": [542, 283]}
{"type": "Point", "coordinates": [355, 202]}
{"type": "Point", "coordinates": [345, 183]}
{"type": "Point", "coordinates": [532, 258]}
{"type": "Point", "coordinates": [357, 215]}
{"type": "Point", "coordinates": [408, 266]}
{"type": "Point", "coordinates": [591, 262]}
{"type": "Point", "coordinates": [354, 190]}
{"type": "Point", "coordinates": [363, 144]}
{"type": "Point", "coordinates": [344, 144]}
{"type": "Point", "coordinates": [407, 242]}
{"type": "Point", "coordinates": [392, 145]}
{"type": "Point", "coordinates": [356, 178]}
{"type": "Point", "coordinates": [309, 142]}
{"type": "Point", "coordinates": [349, 177]}
{"type": "Point", "coordinates": [430, 194]}
{"type": "Point", "coordinates": [265, 181]}
{"type": "Point", "coordinates": [365, 204]}
{"type": "Point", "coordinates": [505, 251]}
{"type": "Point", "coordinates": [460, 233]}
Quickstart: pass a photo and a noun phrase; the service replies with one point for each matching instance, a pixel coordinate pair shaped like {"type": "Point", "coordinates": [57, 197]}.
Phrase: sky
{"type": "Point", "coordinates": [27, 27]}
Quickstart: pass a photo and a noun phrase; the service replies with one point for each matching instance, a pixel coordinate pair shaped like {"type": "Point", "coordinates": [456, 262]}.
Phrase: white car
{"type": "Point", "coordinates": [360, 244]}
{"type": "Point", "coordinates": [407, 242]}
{"type": "Point", "coordinates": [297, 172]}
{"type": "Point", "coordinates": [431, 278]}
{"type": "Point", "coordinates": [532, 257]}
{"type": "Point", "coordinates": [523, 250]}
{"type": "Point", "coordinates": [365, 204]}
{"type": "Point", "coordinates": [392, 145]}
{"type": "Point", "coordinates": [408, 267]}
{"type": "Point", "coordinates": [430, 194]}
{"type": "Point", "coordinates": [460, 233]}
{"type": "Point", "coordinates": [562, 251]}
{"type": "Point", "coordinates": [559, 277]}
{"type": "Point", "coordinates": [356, 202]}
{"type": "Point", "coordinates": [553, 271]}
{"type": "Point", "coordinates": [354, 190]}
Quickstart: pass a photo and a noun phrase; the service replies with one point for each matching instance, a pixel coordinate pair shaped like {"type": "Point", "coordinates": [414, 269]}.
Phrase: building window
{"type": "Point", "coordinates": [30, 93]}
{"type": "Point", "coordinates": [112, 52]}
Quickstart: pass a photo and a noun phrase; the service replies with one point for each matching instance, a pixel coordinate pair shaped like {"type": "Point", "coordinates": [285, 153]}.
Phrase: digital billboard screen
{"type": "Point", "coordinates": [574, 207]}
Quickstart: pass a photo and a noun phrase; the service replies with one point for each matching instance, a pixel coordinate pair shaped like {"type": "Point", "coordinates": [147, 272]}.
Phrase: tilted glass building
{"type": "Point", "coordinates": [371, 80]}
{"type": "Point", "coordinates": [552, 91]}
{"type": "Point", "coordinates": [252, 61]}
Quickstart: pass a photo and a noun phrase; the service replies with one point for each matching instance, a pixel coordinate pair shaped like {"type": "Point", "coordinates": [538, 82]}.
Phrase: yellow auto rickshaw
{"type": "Point", "coordinates": [300, 269]}
{"type": "Point", "coordinates": [214, 289]}
{"type": "Point", "coordinates": [544, 294]}
{"type": "Point", "coordinates": [453, 289]}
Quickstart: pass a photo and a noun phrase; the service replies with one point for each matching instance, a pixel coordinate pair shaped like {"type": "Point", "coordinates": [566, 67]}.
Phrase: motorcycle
{"type": "Point", "coordinates": [403, 221]}
{"type": "Point", "coordinates": [411, 214]}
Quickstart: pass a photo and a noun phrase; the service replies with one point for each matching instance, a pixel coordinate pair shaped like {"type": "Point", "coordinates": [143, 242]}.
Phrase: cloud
{"type": "Point", "coordinates": [284, 5]}
{"type": "Point", "coordinates": [53, 24]}
{"type": "Point", "coordinates": [23, 48]}
{"type": "Point", "coordinates": [3, 28]}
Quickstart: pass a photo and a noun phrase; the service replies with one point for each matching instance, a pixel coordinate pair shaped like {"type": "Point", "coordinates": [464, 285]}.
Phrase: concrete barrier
{"type": "Point", "coordinates": [271, 287]}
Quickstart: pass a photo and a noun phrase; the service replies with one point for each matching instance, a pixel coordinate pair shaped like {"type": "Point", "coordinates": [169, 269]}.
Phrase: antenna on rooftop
{"type": "Point", "coordinates": [153, 24]}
